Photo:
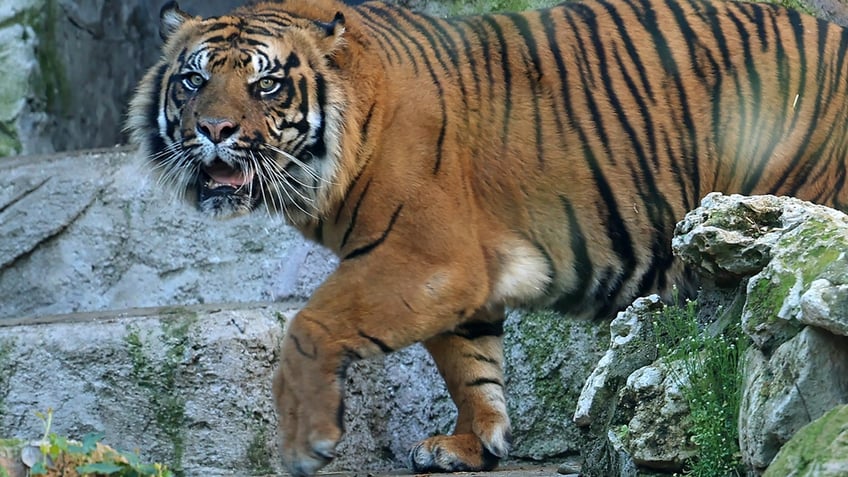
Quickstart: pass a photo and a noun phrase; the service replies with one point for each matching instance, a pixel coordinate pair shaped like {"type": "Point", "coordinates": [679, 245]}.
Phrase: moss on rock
{"type": "Point", "coordinates": [156, 370]}
{"type": "Point", "coordinates": [818, 449]}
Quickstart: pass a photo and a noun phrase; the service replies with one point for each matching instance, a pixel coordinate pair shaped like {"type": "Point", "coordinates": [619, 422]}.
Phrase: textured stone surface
{"type": "Point", "coordinates": [198, 379]}
{"type": "Point", "coordinates": [91, 232]}
{"type": "Point", "coordinates": [658, 433]}
{"type": "Point", "coordinates": [795, 312]}
{"type": "Point", "coordinates": [819, 449]}
{"type": "Point", "coordinates": [796, 254]}
{"type": "Point", "coordinates": [631, 346]}
{"type": "Point", "coordinates": [22, 105]}
{"type": "Point", "coordinates": [548, 358]}
{"type": "Point", "coordinates": [801, 380]}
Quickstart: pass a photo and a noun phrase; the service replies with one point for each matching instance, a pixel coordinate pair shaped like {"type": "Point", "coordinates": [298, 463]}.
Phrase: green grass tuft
{"type": "Point", "coordinates": [714, 389]}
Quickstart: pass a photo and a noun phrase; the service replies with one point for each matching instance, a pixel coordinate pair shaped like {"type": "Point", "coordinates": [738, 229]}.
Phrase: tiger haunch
{"type": "Point", "coordinates": [457, 166]}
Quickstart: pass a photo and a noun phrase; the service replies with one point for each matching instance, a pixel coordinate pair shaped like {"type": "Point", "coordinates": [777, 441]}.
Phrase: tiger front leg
{"type": "Point", "coordinates": [470, 359]}
{"type": "Point", "coordinates": [360, 311]}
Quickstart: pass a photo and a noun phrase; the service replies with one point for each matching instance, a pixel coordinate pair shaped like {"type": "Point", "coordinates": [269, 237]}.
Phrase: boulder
{"type": "Point", "coordinates": [781, 392]}
{"type": "Point", "coordinates": [658, 434]}
{"type": "Point", "coordinates": [631, 346]}
{"type": "Point", "coordinates": [819, 449]}
{"type": "Point", "coordinates": [23, 99]}
{"type": "Point", "coordinates": [794, 256]}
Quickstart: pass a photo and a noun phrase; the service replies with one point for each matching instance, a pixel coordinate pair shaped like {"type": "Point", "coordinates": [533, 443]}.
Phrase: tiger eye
{"type": "Point", "coordinates": [267, 84]}
{"type": "Point", "coordinates": [196, 80]}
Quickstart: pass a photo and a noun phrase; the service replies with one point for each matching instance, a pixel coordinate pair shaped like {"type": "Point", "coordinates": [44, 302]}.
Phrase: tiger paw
{"type": "Point", "coordinates": [309, 408]}
{"type": "Point", "coordinates": [458, 453]}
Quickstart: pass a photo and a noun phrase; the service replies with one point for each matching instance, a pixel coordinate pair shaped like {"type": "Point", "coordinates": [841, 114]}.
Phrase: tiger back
{"type": "Point", "coordinates": [459, 166]}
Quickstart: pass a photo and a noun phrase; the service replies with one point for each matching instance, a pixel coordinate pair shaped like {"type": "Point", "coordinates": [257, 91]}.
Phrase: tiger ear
{"type": "Point", "coordinates": [171, 18]}
{"type": "Point", "coordinates": [333, 32]}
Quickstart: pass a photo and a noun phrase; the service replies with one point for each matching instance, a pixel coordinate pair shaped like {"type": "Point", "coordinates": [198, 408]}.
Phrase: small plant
{"type": "Point", "coordinates": [713, 391]}
{"type": "Point", "coordinates": [61, 456]}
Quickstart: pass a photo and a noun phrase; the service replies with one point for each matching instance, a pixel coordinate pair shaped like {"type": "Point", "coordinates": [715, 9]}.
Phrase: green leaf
{"type": "Point", "coordinates": [106, 468]}
{"type": "Point", "coordinates": [38, 469]}
{"type": "Point", "coordinates": [89, 441]}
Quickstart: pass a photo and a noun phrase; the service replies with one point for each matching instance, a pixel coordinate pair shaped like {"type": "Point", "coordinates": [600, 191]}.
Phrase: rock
{"type": "Point", "coordinates": [190, 387]}
{"type": "Point", "coordinates": [631, 347]}
{"type": "Point", "coordinates": [819, 449]}
{"type": "Point", "coordinates": [795, 253]}
{"type": "Point", "coordinates": [825, 305]}
{"type": "Point", "coordinates": [795, 311]}
{"type": "Point", "coordinates": [22, 105]}
{"type": "Point", "coordinates": [90, 231]}
{"type": "Point", "coordinates": [658, 433]}
{"type": "Point", "coordinates": [801, 380]}
{"type": "Point", "coordinates": [548, 357]}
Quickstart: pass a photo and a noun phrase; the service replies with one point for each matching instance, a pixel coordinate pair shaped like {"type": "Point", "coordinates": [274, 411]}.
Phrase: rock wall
{"type": "Point", "coordinates": [792, 260]}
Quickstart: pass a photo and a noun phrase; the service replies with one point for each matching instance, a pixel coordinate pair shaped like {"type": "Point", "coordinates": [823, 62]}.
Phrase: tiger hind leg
{"type": "Point", "coordinates": [470, 361]}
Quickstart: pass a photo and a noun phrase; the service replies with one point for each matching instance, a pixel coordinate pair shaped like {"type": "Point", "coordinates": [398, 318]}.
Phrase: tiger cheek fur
{"type": "Point", "coordinates": [458, 166]}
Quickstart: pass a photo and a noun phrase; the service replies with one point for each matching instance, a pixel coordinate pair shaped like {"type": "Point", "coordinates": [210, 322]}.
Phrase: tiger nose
{"type": "Point", "coordinates": [217, 130]}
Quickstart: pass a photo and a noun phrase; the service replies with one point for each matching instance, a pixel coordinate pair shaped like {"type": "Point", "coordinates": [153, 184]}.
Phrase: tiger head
{"type": "Point", "coordinates": [244, 111]}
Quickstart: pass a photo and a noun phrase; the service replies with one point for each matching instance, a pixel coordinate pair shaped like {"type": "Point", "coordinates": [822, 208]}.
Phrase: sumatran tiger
{"type": "Point", "coordinates": [459, 166]}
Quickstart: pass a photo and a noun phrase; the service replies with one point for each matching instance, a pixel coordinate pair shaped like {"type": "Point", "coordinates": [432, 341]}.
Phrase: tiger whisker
{"type": "Point", "coordinates": [306, 167]}
{"type": "Point", "coordinates": [283, 187]}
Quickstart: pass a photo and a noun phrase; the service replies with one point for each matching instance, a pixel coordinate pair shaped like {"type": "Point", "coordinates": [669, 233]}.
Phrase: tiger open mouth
{"type": "Point", "coordinates": [223, 189]}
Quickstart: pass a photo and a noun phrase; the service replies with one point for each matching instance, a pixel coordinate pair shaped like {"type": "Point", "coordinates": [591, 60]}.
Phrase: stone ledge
{"type": "Point", "coordinates": [190, 387]}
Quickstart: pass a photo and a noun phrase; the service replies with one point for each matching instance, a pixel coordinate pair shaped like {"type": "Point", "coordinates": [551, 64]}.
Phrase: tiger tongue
{"type": "Point", "coordinates": [226, 175]}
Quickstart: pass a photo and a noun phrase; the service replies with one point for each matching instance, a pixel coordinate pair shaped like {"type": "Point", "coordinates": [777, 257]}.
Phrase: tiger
{"type": "Point", "coordinates": [460, 167]}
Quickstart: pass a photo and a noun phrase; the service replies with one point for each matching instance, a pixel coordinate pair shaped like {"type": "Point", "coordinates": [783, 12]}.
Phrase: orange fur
{"type": "Point", "coordinates": [459, 166]}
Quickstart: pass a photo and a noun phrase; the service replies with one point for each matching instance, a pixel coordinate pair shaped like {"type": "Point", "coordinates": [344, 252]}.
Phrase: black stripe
{"type": "Point", "coordinates": [390, 27]}
{"type": "Point", "coordinates": [469, 56]}
{"type": "Point", "coordinates": [352, 223]}
{"type": "Point", "coordinates": [484, 382]}
{"type": "Point", "coordinates": [303, 352]}
{"type": "Point", "coordinates": [366, 124]}
{"type": "Point", "coordinates": [581, 263]}
{"type": "Point", "coordinates": [440, 94]}
{"type": "Point", "coordinates": [506, 75]}
{"type": "Point", "coordinates": [318, 149]}
{"type": "Point", "coordinates": [370, 247]}
{"type": "Point", "coordinates": [526, 33]}
{"type": "Point", "coordinates": [155, 143]}
{"type": "Point", "coordinates": [615, 226]}
{"type": "Point", "coordinates": [480, 357]}
{"type": "Point", "coordinates": [478, 329]}
{"type": "Point", "coordinates": [796, 21]}
{"type": "Point", "coordinates": [377, 341]}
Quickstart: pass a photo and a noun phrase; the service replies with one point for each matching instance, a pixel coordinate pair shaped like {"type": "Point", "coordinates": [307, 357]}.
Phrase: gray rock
{"type": "Point", "coordinates": [191, 387]}
{"type": "Point", "coordinates": [795, 253]}
{"type": "Point", "coordinates": [803, 378]}
{"type": "Point", "coordinates": [819, 449]}
{"type": "Point", "coordinates": [22, 108]}
{"type": "Point", "coordinates": [631, 347]}
{"type": "Point", "coordinates": [89, 232]}
{"type": "Point", "coordinates": [795, 307]}
{"type": "Point", "coordinates": [548, 357]}
{"type": "Point", "coordinates": [658, 433]}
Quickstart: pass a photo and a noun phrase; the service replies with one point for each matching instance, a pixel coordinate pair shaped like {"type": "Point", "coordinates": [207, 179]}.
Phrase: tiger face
{"type": "Point", "coordinates": [241, 112]}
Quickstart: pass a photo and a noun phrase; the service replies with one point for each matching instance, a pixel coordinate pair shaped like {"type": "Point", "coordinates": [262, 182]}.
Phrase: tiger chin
{"type": "Point", "coordinates": [460, 166]}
